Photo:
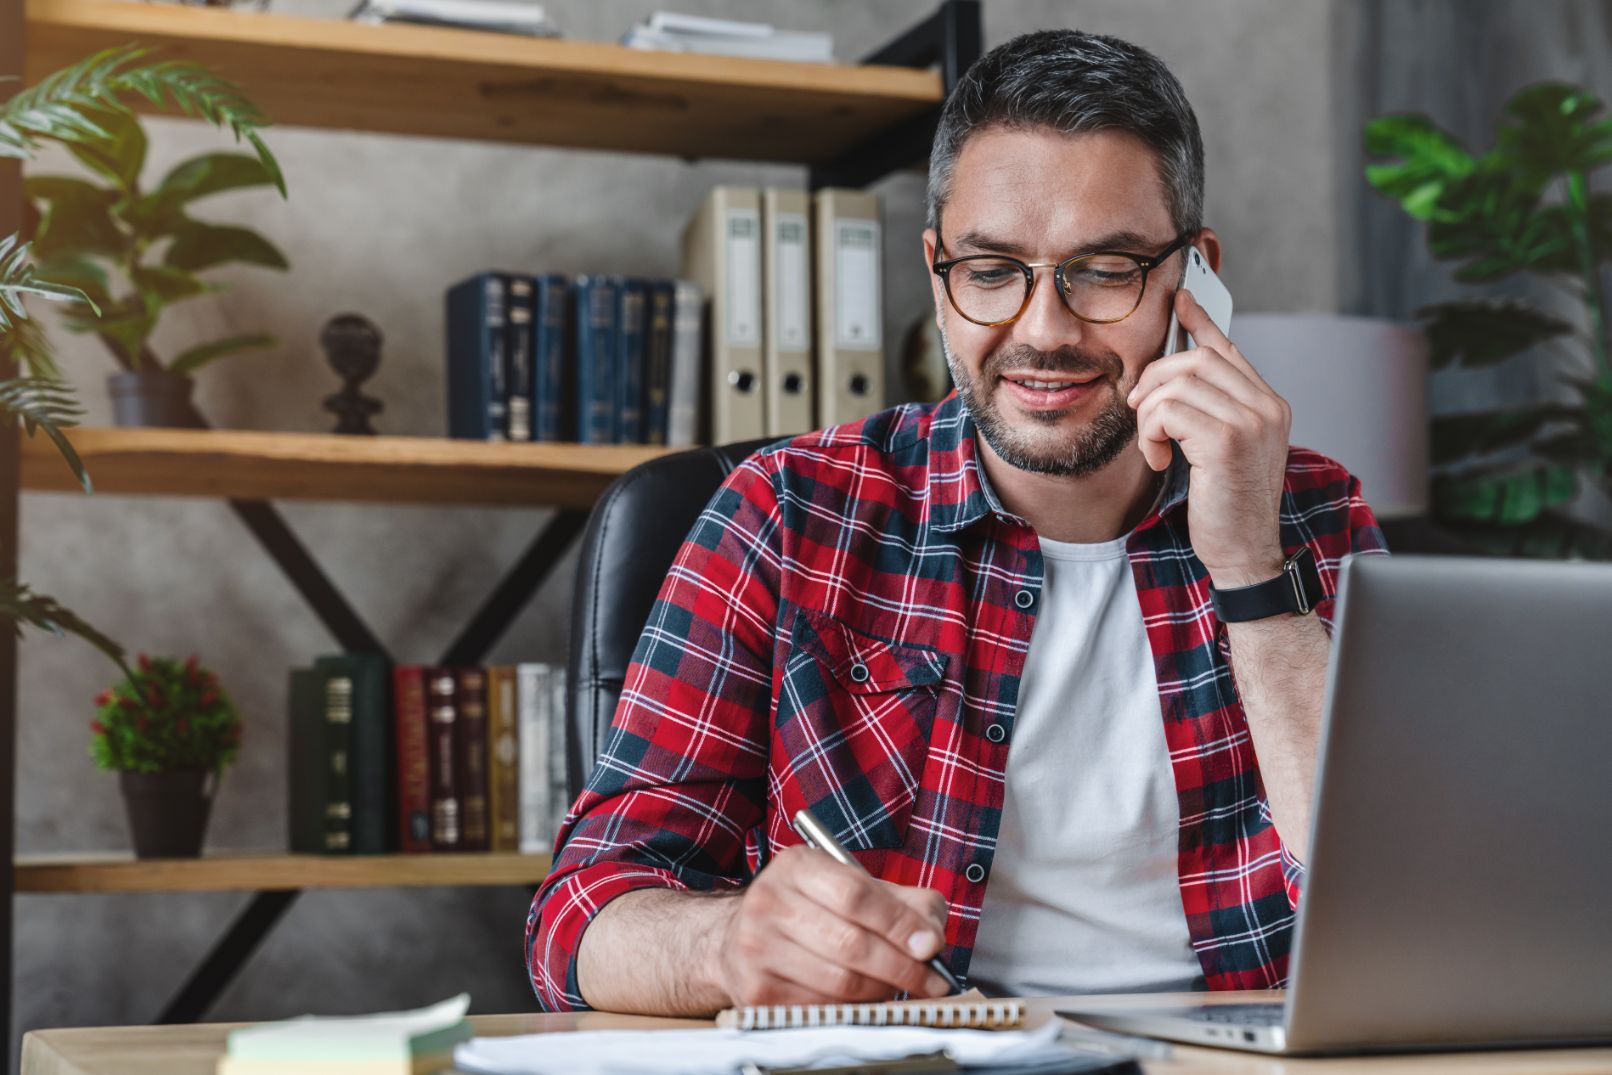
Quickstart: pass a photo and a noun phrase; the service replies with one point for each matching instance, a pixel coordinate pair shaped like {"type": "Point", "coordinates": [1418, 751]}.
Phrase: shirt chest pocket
{"type": "Point", "coordinates": [854, 719]}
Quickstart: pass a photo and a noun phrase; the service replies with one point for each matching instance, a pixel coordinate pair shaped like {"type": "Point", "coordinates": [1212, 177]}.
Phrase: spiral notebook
{"type": "Point", "coordinates": [969, 1010]}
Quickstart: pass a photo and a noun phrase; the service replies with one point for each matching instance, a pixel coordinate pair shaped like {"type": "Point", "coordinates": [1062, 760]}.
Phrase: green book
{"type": "Point", "coordinates": [371, 762]}
{"type": "Point", "coordinates": [319, 728]}
{"type": "Point", "coordinates": [390, 1043]}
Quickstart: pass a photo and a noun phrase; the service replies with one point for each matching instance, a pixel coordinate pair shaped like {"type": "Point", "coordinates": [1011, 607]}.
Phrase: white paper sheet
{"type": "Point", "coordinates": [723, 1052]}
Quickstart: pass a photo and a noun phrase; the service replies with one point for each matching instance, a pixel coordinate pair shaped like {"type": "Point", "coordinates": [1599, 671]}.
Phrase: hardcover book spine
{"type": "Point", "coordinates": [553, 305]}
{"type": "Point", "coordinates": [471, 756]}
{"type": "Point", "coordinates": [686, 425]}
{"type": "Point", "coordinates": [307, 757]}
{"type": "Point", "coordinates": [476, 396]}
{"type": "Point", "coordinates": [531, 705]}
{"type": "Point", "coordinates": [413, 760]}
{"type": "Point", "coordinates": [559, 792]}
{"type": "Point", "coordinates": [370, 762]}
{"type": "Point", "coordinates": [518, 350]}
{"type": "Point", "coordinates": [442, 704]}
{"type": "Point", "coordinates": [338, 781]}
{"type": "Point", "coordinates": [503, 756]}
{"type": "Point", "coordinates": [658, 362]}
{"type": "Point", "coordinates": [595, 359]}
{"type": "Point", "coordinates": [631, 333]}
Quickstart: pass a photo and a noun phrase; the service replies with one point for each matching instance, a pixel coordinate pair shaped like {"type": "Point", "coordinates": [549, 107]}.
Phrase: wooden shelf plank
{"type": "Point", "coordinates": [249, 465]}
{"type": "Point", "coordinates": [251, 871]}
{"type": "Point", "coordinates": [450, 83]}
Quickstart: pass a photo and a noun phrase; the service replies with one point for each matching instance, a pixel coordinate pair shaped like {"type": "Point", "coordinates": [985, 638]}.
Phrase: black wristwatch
{"type": "Point", "coordinates": [1296, 589]}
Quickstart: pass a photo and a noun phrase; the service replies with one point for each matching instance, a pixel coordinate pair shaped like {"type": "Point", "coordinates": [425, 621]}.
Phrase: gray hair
{"type": "Point", "coordinates": [1074, 83]}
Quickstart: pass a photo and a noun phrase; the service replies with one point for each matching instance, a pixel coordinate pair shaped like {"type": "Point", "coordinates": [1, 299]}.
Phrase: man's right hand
{"type": "Point", "coordinates": [809, 930]}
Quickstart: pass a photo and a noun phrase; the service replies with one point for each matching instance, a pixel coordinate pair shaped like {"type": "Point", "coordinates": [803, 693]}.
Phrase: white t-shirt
{"type": "Point", "coordinates": [1084, 895]}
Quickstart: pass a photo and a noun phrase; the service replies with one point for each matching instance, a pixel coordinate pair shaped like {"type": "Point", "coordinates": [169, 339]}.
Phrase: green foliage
{"type": "Point", "coordinates": [83, 108]}
{"type": "Point", "coordinates": [21, 605]}
{"type": "Point", "coordinates": [133, 252]}
{"type": "Point", "coordinates": [1506, 477]}
{"type": "Point", "coordinates": [165, 715]}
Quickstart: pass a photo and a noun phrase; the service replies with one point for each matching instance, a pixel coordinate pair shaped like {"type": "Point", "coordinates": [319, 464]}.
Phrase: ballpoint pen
{"type": "Point", "coordinates": [812, 831]}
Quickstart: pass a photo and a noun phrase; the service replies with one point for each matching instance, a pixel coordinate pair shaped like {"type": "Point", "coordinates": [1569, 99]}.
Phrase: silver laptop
{"type": "Point", "coordinates": [1460, 885]}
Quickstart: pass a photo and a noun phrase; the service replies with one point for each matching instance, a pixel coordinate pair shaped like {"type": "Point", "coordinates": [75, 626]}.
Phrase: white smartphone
{"type": "Point", "coordinates": [1211, 294]}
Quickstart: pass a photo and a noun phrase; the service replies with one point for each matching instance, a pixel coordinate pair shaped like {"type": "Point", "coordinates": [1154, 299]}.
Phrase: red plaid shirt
{"type": "Point", "coordinates": [844, 630]}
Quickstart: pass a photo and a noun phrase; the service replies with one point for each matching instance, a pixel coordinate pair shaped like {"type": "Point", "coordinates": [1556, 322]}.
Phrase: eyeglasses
{"type": "Point", "coordinates": [1101, 287]}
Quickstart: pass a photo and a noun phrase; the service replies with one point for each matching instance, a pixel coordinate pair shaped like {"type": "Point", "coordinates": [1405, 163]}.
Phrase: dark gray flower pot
{"type": "Point", "coordinates": [168, 811]}
{"type": "Point", "coordinates": [151, 398]}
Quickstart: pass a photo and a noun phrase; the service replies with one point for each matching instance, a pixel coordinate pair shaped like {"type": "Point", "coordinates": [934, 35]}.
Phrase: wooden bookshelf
{"type": "Point", "coordinates": [246, 465]}
{"type": "Point", "coordinates": [447, 83]}
{"type": "Point", "coordinates": [270, 872]}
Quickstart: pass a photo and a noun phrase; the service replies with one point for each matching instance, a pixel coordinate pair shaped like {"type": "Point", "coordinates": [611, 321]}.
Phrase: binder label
{"type": "Point", "coordinates": [789, 281]}
{"type": "Point", "coordinates": [856, 286]}
{"type": "Point", "coordinates": [743, 278]}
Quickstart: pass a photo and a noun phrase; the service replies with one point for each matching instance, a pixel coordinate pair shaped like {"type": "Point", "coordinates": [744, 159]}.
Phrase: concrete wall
{"type": "Point", "coordinates": [380, 225]}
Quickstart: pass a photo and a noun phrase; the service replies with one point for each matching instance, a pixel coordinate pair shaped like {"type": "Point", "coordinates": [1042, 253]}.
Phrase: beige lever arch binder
{"type": "Point", "coordinates": [722, 254]}
{"type": "Point", "coordinates": [850, 331]}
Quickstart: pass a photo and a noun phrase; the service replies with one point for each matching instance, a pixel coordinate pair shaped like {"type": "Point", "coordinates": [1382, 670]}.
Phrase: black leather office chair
{"type": "Point", "coordinates": [632, 538]}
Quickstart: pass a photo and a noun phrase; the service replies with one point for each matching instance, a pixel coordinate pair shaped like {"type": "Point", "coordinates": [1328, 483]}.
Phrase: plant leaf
{"type": "Point", "coordinates": [21, 605]}
{"type": "Point", "coordinates": [1506, 499]}
{"type": "Point", "coordinates": [1481, 332]}
{"type": "Point", "coordinates": [198, 246]}
{"type": "Point", "coordinates": [1428, 159]}
{"type": "Point", "coordinates": [158, 212]}
{"type": "Point", "coordinates": [25, 347]}
{"type": "Point", "coordinates": [1553, 131]}
{"type": "Point", "coordinates": [50, 406]}
{"type": "Point", "coordinates": [121, 155]}
{"type": "Point", "coordinates": [161, 285]}
{"type": "Point", "coordinates": [197, 357]}
{"type": "Point", "coordinates": [17, 279]}
{"type": "Point", "coordinates": [1457, 437]}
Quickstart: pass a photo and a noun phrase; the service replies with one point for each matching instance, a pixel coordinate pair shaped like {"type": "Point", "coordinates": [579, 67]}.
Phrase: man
{"type": "Point", "coordinates": [976, 639]}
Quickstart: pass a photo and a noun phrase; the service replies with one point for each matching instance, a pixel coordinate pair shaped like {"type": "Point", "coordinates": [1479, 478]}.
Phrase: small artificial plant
{"type": "Point", "coordinates": [133, 251]}
{"type": "Point", "coordinates": [165, 715]}
{"type": "Point", "coordinates": [82, 107]}
{"type": "Point", "coordinates": [1507, 478]}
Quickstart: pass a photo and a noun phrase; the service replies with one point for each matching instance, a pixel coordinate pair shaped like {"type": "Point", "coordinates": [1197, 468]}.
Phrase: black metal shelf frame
{"type": "Point", "coordinates": [951, 38]}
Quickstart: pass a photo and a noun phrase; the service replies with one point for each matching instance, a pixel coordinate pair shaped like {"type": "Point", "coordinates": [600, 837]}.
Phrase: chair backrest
{"type": "Point", "coordinates": [627, 550]}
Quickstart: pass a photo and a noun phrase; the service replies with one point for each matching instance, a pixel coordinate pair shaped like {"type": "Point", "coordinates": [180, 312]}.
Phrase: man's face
{"type": "Point", "coordinates": [1048, 390]}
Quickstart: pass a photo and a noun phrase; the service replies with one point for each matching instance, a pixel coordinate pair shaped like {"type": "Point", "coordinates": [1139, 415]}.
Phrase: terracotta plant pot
{"type": "Point", "coordinates": [168, 811]}
{"type": "Point", "coordinates": [151, 398]}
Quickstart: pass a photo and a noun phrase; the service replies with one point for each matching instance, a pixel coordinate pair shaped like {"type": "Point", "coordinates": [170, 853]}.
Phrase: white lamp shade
{"type": "Point", "coordinates": [1358, 389]}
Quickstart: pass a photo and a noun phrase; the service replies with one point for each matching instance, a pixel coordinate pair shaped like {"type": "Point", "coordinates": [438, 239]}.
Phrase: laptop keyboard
{"type": "Point", "coordinates": [1257, 1015]}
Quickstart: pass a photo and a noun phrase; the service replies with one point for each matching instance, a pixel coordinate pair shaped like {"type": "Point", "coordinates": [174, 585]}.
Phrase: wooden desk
{"type": "Point", "coordinates": [194, 1050]}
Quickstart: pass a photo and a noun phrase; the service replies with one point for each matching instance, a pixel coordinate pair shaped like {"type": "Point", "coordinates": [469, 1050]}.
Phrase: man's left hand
{"type": "Point", "coordinates": [1233, 430]}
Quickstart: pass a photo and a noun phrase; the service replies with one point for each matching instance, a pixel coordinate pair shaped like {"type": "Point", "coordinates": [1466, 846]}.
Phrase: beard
{"type": "Point", "coordinates": [1044, 447]}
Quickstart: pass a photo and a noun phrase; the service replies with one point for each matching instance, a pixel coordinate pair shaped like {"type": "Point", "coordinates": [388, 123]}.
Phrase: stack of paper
{"type": "Point", "coordinates": [392, 1043]}
{"type": "Point", "coordinates": [503, 16]}
{"type": "Point", "coordinates": [728, 37]}
{"type": "Point", "coordinates": [721, 1052]}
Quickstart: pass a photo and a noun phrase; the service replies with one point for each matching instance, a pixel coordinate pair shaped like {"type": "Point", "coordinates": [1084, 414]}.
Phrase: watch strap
{"type": "Point", "coordinates": [1297, 589]}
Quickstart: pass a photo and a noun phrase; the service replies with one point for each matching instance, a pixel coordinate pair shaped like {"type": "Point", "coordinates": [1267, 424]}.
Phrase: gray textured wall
{"type": "Point", "coordinates": [381, 225]}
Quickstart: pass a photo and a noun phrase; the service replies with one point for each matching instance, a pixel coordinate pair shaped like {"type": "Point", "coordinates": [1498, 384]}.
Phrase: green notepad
{"type": "Point", "coordinates": [390, 1043]}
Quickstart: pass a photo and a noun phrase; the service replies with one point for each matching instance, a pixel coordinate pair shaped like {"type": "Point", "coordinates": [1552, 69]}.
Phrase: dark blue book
{"type": "Point", "coordinates": [551, 303]}
{"type": "Point", "coordinates": [476, 357]}
{"type": "Point", "coordinates": [632, 309]}
{"type": "Point", "coordinates": [658, 361]}
{"type": "Point", "coordinates": [594, 358]}
{"type": "Point", "coordinates": [518, 336]}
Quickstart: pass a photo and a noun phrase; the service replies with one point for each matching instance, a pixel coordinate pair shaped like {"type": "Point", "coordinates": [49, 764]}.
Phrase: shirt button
{"type": "Point", "coordinates": [859, 672]}
{"type": "Point", "coordinates": [975, 872]}
{"type": "Point", "coordinates": [1024, 599]}
{"type": "Point", "coordinates": [996, 733]}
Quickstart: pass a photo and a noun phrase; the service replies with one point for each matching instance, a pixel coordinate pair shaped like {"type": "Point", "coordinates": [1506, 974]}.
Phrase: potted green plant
{"type": "Point", "coordinates": [168, 730]}
{"type": "Point", "coordinates": [1508, 479]}
{"type": "Point", "coordinates": [133, 250]}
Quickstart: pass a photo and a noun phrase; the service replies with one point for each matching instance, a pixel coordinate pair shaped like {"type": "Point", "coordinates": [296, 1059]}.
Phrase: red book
{"type": "Point", "coordinates": [413, 759]}
{"type": "Point", "coordinates": [442, 710]}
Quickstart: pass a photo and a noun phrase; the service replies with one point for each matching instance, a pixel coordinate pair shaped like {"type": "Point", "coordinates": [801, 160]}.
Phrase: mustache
{"type": "Point", "coordinates": [1063, 360]}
